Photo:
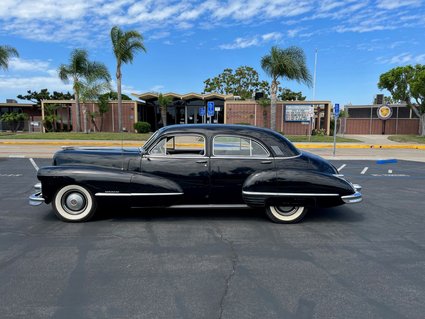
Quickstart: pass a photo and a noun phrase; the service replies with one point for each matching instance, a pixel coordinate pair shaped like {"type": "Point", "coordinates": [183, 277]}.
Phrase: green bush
{"type": "Point", "coordinates": [142, 127]}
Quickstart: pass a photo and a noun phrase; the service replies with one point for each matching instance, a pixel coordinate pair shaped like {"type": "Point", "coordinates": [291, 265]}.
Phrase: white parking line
{"type": "Point", "coordinates": [16, 156]}
{"type": "Point", "coordinates": [34, 164]}
{"type": "Point", "coordinates": [390, 171]}
{"type": "Point", "coordinates": [364, 170]}
{"type": "Point", "coordinates": [342, 166]}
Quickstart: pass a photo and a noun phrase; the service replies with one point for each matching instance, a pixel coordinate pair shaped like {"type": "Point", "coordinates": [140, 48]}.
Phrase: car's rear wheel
{"type": "Point", "coordinates": [74, 203]}
{"type": "Point", "coordinates": [286, 214]}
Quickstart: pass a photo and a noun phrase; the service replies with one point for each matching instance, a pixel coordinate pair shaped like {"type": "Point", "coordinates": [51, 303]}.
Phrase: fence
{"type": "Point", "coordinates": [23, 126]}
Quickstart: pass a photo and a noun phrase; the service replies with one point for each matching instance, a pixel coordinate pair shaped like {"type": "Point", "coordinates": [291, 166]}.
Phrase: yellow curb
{"type": "Point", "coordinates": [360, 146]}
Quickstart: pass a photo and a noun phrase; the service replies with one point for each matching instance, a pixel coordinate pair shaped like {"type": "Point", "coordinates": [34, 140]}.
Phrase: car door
{"type": "Point", "coordinates": [182, 159]}
{"type": "Point", "coordinates": [233, 159]}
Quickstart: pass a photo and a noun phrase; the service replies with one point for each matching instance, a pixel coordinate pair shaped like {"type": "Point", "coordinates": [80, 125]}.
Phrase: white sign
{"type": "Point", "coordinates": [298, 113]}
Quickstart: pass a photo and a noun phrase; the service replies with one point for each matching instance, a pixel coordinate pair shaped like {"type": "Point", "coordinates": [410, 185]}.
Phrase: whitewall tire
{"type": "Point", "coordinates": [74, 203]}
{"type": "Point", "coordinates": [286, 214]}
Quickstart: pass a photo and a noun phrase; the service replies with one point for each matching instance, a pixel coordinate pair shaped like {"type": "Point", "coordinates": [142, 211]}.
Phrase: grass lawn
{"type": "Point", "coordinates": [142, 137]}
{"type": "Point", "coordinates": [78, 136]}
{"type": "Point", "coordinates": [407, 139]}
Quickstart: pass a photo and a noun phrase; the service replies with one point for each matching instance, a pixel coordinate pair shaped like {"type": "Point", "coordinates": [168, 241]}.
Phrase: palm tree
{"type": "Point", "coordinates": [164, 102]}
{"type": "Point", "coordinates": [79, 69]}
{"type": "Point", "coordinates": [6, 52]}
{"type": "Point", "coordinates": [284, 63]}
{"type": "Point", "coordinates": [265, 103]}
{"type": "Point", "coordinates": [91, 88]}
{"type": "Point", "coordinates": [125, 45]}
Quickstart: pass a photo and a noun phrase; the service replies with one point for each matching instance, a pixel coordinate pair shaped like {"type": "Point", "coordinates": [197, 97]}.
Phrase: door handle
{"type": "Point", "coordinates": [266, 162]}
{"type": "Point", "coordinates": [202, 161]}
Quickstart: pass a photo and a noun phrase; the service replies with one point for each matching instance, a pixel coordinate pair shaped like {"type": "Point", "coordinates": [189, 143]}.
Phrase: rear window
{"type": "Point", "coordinates": [238, 146]}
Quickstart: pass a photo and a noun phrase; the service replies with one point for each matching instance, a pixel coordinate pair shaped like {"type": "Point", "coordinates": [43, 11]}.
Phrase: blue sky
{"type": "Point", "coordinates": [189, 41]}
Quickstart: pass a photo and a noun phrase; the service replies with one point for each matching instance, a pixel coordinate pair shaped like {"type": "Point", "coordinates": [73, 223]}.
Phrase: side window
{"type": "Point", "coordinates": [238, 146]}
{"type": "Point", "coordinates": [181, 145]}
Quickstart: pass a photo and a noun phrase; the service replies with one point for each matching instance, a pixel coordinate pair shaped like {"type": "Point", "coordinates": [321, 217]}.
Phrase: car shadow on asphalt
{"type": "Point", "coordinates": [341, 214]}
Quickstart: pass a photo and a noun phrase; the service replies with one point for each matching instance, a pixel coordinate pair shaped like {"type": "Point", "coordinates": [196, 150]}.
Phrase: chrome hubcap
{"type": "Point", "coordinates": [286, 210]}
{"type": "Point", "coordinates": [75, 202]}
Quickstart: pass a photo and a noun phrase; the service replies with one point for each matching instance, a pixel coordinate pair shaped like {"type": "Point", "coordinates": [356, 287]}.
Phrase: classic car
{"type": "Point", "coordinates": [209, 165]}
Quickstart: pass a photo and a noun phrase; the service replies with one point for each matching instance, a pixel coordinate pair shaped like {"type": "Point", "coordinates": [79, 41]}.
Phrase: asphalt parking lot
{"type": "Point", "coordinates": [359, 261]}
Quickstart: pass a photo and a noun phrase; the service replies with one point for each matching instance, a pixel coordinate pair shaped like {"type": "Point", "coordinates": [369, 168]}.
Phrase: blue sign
{"type": "Point", "coordinates": [210, 110]}
{"type": "Point", "coordinates": [202, 111]}
{"type": "Point", "coordinates": [336, 109]}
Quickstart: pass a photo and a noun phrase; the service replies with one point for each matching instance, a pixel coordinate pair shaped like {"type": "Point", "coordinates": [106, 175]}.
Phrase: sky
{"type": "Point", "coordinates": [190, 41]}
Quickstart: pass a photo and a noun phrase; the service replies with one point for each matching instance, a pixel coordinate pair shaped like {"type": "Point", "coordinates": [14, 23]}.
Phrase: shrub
{"type": "Point", "coordinates": [142, 127]}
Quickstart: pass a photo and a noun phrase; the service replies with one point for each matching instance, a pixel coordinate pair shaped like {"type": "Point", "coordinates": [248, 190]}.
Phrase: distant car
{"type": "Point", "coordinates": [195, 166]}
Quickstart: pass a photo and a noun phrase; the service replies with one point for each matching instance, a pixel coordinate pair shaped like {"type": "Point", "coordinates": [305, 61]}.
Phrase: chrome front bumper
{"type": "Point", "coordinates": [353, 198]}
{"type": "Point", "coordinates": [36, 198]}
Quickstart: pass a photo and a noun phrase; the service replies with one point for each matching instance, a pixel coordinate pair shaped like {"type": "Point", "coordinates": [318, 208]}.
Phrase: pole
{"type": "Point", "coordinates": [335, 127]}
{"type": "Point", "coordinates": [314, 75]}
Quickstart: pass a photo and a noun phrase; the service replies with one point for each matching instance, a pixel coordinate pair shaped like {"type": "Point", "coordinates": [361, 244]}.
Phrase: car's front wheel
{"type": "Point", "coordinates": [286, 214]}
{"type": "Point", "coordinates": [74, 203]}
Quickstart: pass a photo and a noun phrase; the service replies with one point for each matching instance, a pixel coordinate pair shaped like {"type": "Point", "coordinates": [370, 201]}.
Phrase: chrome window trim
{"type": "Point", "coordinates": [240, 156]}
{"type": "Point", "coordinates": [137, 194]}
{"type": "Point", "coordinates": [176, 156]}
{"type": "Point", "coordinates": [179, 134]}
{"type": "Point", "coordinates": [288, 157]}
{"type": "Point", "coordinates": [288, 194]}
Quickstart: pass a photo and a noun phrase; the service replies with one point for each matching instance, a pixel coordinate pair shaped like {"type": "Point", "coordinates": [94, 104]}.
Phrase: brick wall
{"type": "Point", "coordinates": [364, 126]}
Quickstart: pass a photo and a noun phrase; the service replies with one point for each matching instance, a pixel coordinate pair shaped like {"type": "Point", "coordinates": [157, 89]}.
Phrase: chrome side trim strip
{"type": "Point", "coordinates": [241, 157]}
{"type": "Point", "coordinates": [138, 194]}
{"type": "Point", "coordinates": [288, 194]}
{"type": "Point", "coordinates": [352, 199]}
{"type": "Point", "coordinates": [287, 157]}
{"type": "Point", "coordinates": [211, 206]}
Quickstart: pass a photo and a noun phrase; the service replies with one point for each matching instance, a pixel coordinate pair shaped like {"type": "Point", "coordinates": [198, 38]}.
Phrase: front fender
{"type": "Point", "coordinates": [101, 180]}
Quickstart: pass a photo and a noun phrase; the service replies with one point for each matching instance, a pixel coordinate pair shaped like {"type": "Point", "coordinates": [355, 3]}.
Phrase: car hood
{"type": "Point", "coordinates": [98, 156]}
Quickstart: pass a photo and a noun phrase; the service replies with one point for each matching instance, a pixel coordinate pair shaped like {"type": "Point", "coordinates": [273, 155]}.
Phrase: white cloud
{"type": "Point", "coordinates": [403, 58]}
{"type": "Point", "coordinates": [19, 64]}
{"type": "Point", "coordinates": [22, 84]}
{"type": "Point", "coordinates": [156, 88]}
{"type": "Point", "coordinates": [395, 4]}
{"type": "Point", "coordinates": [256, 40]}
{"type": "Point", "coordinates": [88, 22]}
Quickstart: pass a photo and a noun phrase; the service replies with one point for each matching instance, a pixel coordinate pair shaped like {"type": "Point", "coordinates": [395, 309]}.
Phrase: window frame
{"type": "Point", "coordinates": [166, 136]}
{"type": "Point", "coordinates": [241, 156]}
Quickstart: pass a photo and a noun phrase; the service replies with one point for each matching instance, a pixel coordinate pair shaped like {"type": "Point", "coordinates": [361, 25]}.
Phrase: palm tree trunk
{"type": "Point", "coordinates": [119, 97]}
{"type": "Point", "coordinates": [77, 107]}
{"type": "Point", "coordinates": [164, 115]}
{"type": "Point", "coordinates": [85, 117]}
{"type": "Point", "coordinates": [273, 105]}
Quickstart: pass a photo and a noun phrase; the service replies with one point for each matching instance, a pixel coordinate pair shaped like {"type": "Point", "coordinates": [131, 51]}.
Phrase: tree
{"type": "Point", "coordinates": [407, 83]}
{"type": "Point", "coordinates": [284, 63]}
{"type": "Point", "coordinates": [243, 82]}
{"type": "Point", "coordinates": [13, 118]}
{"type": "Point", "coordinates": [164, 102]}
{"type": "Point", "coordinates": [44, 94]}
{"type": "Point", "coordinates": [125, 45]}
{"type": "Point", "coordinates": [78, 69]}
{"type": "Point", "coordinates": [6, 52]}
{"type": "Point", "coordinates": [91, 90]}
{"type": "Point", "coordinates": [288, 95]}
{"type": "Point", "coordinates": [111, 95]}
{"type": "Point", "coordinates": [265, 103]}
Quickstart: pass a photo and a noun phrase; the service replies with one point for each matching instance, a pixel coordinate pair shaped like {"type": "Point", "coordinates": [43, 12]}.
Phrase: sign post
{"type": "Point", "coordinates": [336, 114]}
{"type": "Point", "coordinates": [310, 120]}
{"type": "Point", "coordinates": [210, 110]}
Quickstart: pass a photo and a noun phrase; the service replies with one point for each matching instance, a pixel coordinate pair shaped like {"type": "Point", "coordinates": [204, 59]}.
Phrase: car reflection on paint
{"type": "Point", "coordinates": [195, 166]}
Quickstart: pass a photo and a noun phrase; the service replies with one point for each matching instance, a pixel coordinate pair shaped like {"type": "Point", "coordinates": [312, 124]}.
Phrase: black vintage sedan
{"type": "Point", "coordinates": [195, 166]}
